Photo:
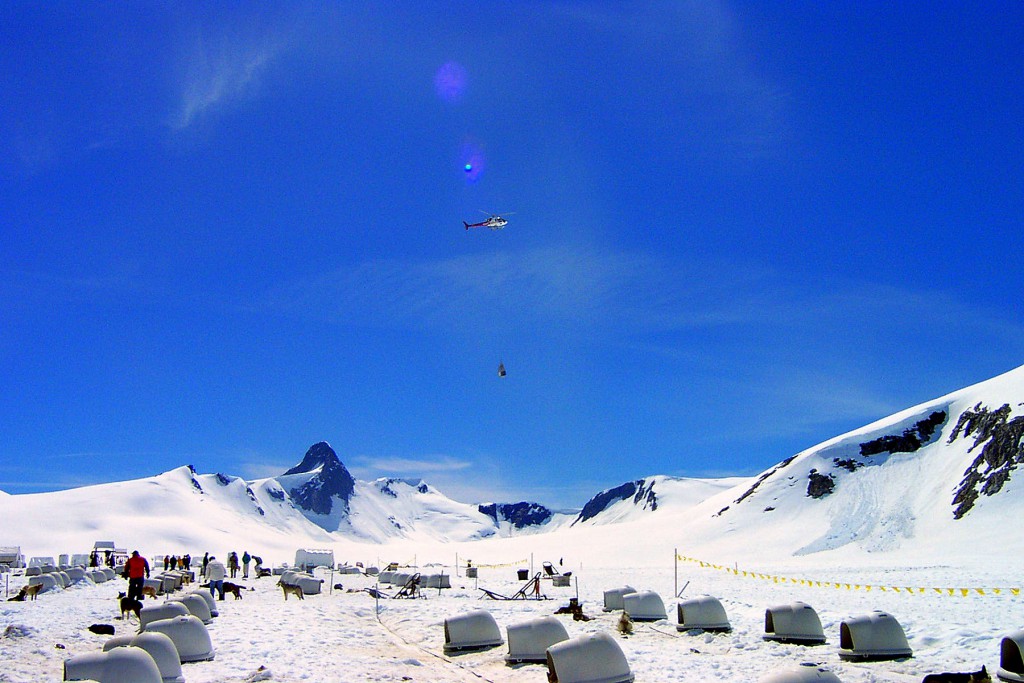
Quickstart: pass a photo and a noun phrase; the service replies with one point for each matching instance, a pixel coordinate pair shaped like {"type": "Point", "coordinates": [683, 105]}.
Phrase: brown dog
{"type": "Point", "coordinates": [976, 677]}
{"type": "Point", "coordinates": [27, 593]}
{"type": "Point", "coordinates": [148, 592]}
{"type": "Point", "coordinates": [234, 589]}
{"type": "Point", "coordinates": [294, 590]}
{"type": "Point", "coordinates": [129, 606]}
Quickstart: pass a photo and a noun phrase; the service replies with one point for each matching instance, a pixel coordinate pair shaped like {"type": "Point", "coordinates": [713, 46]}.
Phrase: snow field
{"type": "Point", "coordinates": [337, 636]}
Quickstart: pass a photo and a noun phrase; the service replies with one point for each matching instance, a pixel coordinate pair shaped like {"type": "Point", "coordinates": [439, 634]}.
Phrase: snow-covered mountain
{"type": "Point", "coordinates": [928, 478]}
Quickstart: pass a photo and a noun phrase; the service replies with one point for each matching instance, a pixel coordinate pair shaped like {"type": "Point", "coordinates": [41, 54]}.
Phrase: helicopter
{"type": "Point", "coordinates": [494, 222]}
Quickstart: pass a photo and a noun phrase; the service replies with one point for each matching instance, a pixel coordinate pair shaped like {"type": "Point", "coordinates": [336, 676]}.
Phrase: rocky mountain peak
{"type": "Point", "coordinates": [330, 480]}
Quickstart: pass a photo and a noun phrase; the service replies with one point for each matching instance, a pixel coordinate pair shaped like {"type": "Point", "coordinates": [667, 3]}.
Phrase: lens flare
{"type": "Point", "coordinates": [450, 82]}
{"type": "Point", "coordinates": [471, 157]}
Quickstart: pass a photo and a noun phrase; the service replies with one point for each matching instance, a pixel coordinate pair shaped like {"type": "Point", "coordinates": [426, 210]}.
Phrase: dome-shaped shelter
{"type": "Point", "coordinates": [120, 665]}
{"type": "Point", "coordinates": [196, 606]}
{"type": "Point", "coordinates": [97, 576]}
{"type": "Point", "coordinates": [644, 606]}
{"type": "Point", "coordinates": [613, 597]}
{"type": "Point", "coordinates": [76, 574]}
{"type": "Point", "coordinates": [154, 583]}
{"type": "Point", "coordinates": [594, 658]}
{"type": "Point", "coordinates": [874, 636]}
{"type": "Point", "coordinates": [702, 612]}
{"type": "Point", "coordinates": [796, 622]}
{"type": "Point", "coordinates": [529, 641]}
{"type": "Point", "coordinates": [168, 582]}
{"type": "Point", "coordinates": [210, 602]}
{"type": "Point", "coordinates": [159, 646]}
{"type": "Point", "coordinates": [309, 584]}
{"type": "Point", "coordinates": [1011, 660]}
{"type": "Point", "coordinates": [49, 582]}
{"type": "Point", "coordinates": [471, 631]}
{"type": "Point", "coordinates": [165, 610]}
{"type": "Point", "coordinates": [189, 635]}
{"type": "Point", "coordinates": [437, 581]}
{"type": "Point", "coordinates": [807, 673]}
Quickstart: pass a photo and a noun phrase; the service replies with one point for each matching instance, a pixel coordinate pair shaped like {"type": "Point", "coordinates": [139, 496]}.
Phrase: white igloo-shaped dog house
{"type": "Point", "coordinates": [529, 641]}
{"type": "Point", "coordinates": [159, 646]}
{"type": "Point", "coordinates": [210, 602]}
{"type": "Point", "coordinates": [385, 576]}
{"type": "Point", "coordinates": [874, 636]}
{"type": "Point", "coordinates": [48, 582]}
{"type": "Point", "coordinates": [309, 584]}
{"type": "Point", "coordinates": [196, 606]}
{"type": "Point", "coordinates": [165, 610]}
{"type": "Point", "coordinates": [594, 658]}
{"type": "Point", "coordinates": [437, 581]}
{"type": "Point", "coordinates": [168, 582]}
{"type": "Point", "coordinates": [796, 622]}
{"type": "Point", "coordinates": [806, 673]}
{"type": "Point", "coordinates": [474, 630]}
{"type": "Point", "coordinates": [120, 665]}
{"type": "Point", "coordinates": [189, 635]}
{"type": "Point", "coordinates": [154, 583]}
{"type": "Point", "coordinates": [1011, 660]}
{"type": "Point", "coordinates": [76, 574]}
{"type": "Point", "coordinates": [702, 612]}
{"type": "Point", "coordinates": [644, 606]}
{"type": "Point", "coordinates": [613, 597]}
{"type": "Point", "coordinates": [97, 576]}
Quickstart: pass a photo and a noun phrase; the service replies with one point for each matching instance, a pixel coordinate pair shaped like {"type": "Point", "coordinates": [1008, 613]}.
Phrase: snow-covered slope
{"type": "Point", "coordinates": [935, 478]}
{"type": "Point", "coordinates": [919, 482]}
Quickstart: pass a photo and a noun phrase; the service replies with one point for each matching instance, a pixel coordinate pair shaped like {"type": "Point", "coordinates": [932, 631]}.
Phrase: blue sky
{"type": "Point", "coordinates": [739, 229]}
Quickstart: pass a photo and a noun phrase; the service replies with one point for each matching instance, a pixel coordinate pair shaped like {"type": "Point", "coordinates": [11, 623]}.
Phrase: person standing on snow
{"type": "Point", "coordinates": [137, 571]}
{"type": "Point", "coordinates": [215, 573]}
{"type": "Point", "coordinates": [245, 564]}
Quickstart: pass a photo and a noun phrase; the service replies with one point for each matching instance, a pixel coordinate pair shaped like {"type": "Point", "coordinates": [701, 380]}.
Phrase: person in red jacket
{"type": "Point", "coordinates": [137, 571]}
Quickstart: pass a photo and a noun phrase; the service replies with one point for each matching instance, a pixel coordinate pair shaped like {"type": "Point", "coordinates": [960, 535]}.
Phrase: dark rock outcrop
{"type": "Point", "coordinates": [519, 515]}
{"type": "Point", "coordinates": [641, 491]}
{"type": "Point", "coordinates": [1002, 452]}
{"type": "Point", "coordinates": [332, 481]}
{"type": "Point", "coordinates": [909, 441]}
{"type": "Point", "coordinates": [819, 485]}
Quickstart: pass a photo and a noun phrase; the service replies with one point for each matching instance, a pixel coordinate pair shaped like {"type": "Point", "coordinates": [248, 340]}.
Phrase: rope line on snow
{"type": "Point", "coordinates": [429, 652]}
{"type": "Point", "coordinates": [903, 590]}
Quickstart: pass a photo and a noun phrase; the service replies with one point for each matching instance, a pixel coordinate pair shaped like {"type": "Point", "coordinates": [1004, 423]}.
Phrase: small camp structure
{"type": "Point", "coordinates": [48, 582]}
{"type": "Point", "coordinates": [796, 622]}
{"type": "Point", "coordinates": [702, 612]}
{"type": "Point", "coordinates": [197, 606]}
{"type": "Point", "coordinates": [806, 673]}
{"type": "Point", "coordinates": [164, 610]}
{"type": "Point", "coordinates": [594, 658]}
{"type": "Point", "coordinates": [471, 631]}
{"type": "Point", "coordinates": [644, 606]}
{"type": "Point", "coordinates": [529, 641]}
{"type": "Point", "coordinates": [613, 597]}
{"type": "Point", "coordinates": [437, 581]}
{"type": "Point", "coordinates": [210, 602]}
{"type": "Point", "coordinates": [159, 646]}
{"type": "Point", "coordinates": [308, 558]}
{"type": "Point", "coordinates": [874, 636]}
{"type": "Point", "coordinates": [120, 665]}
{"type": "Point", "coordinates": [11, 556]}
{"type": "Point", "coordinates": [1011, 661]}
{"type": "Point", "coordinates": [189, 635]}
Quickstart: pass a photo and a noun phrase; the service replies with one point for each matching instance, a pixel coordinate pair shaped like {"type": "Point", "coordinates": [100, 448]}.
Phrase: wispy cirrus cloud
{"type": "Point", "coordinates": [219, 71]}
